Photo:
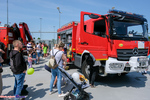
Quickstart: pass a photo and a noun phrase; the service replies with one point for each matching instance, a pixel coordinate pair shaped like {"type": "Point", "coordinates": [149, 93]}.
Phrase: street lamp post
{"type": "Point", "coordinates": [59, 15]}
{"type": "Point", "coordinates": [40, 26]}
{"type": "Point", "coordinates": [7, 12]}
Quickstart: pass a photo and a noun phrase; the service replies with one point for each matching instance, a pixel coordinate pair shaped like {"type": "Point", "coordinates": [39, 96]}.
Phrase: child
{"type": "Point", "coordinates": [30, 59]}
{"type": "Point", "coordinates": [34, 53]}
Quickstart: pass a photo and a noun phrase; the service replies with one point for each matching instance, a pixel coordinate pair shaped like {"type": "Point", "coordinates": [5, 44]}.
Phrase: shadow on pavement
{"type": "Point", "coordinates": [7, 75]}
{"type": "Point", "coordinates": [133, 79]}
{"type": "Point", "coordinates": [5, 87]}
{"type": "Point", "coordinates": [71, 66]}
{"type": "Point", "coordinates": [40, 84]}
{"type": "Point", "coordinates": [34, 94]}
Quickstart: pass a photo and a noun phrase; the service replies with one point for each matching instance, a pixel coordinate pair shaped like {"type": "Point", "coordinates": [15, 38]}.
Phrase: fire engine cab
{"type": "Point", "coordinates": [118, 41]}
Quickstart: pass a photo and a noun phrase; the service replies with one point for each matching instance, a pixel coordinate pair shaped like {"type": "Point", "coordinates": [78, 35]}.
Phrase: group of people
{"type": "Point", "coordinates": [35, 51]}
{"type": "Point", "coordinates": [19, 66]}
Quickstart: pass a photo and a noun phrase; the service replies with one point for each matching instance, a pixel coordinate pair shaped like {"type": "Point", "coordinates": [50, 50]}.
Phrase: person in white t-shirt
{"type": "Point", "coordinates": [52, 54]}
{"type": "Point", "coordinates": [38, 50]}
{"type": "Point", "coordinates": [60, 57]}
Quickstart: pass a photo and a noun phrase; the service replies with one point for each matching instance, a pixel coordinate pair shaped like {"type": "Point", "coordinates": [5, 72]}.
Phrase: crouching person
{"type": "Point", "coordinates": [94, 68]}
{"type": "Point", "coordinates": [18, 67]}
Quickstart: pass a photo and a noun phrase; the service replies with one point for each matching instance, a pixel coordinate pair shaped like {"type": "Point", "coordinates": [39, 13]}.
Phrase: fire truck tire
{"type": "Point", "coordinates": [85, 69]}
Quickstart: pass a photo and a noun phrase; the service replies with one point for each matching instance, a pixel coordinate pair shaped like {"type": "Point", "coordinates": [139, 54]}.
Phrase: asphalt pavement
{"type": "Point", "coordinates": [133, 86]}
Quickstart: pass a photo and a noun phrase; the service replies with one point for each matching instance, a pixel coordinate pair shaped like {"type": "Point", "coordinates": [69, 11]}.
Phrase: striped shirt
{"type": "Point", "coordinates": [29, 46]}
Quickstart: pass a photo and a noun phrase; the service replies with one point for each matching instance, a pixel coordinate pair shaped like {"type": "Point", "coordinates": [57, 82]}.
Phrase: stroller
{"type": "Point", "coordinates": [77, 91]}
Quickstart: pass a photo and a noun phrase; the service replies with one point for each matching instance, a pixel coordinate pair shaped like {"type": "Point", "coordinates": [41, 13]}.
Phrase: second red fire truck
{"type": "Point", "coordinates": [118, 41]}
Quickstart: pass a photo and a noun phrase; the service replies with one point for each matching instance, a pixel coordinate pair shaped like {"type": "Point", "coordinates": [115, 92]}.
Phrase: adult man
{"type": "Point", "coordinates": [38, 50]}
{"type": "Point", "coordinates": [18, 66]}
{"type": "Point", "coordinates": [3, 47]}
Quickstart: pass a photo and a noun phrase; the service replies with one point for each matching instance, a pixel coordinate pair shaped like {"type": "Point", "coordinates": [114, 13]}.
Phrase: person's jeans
{"type": "Point", "coordinates": [38, 54]}
{"type": "Point", "coordinates": [34, 56]}
{"type": "Point", "coordinates": [19, 80]}
{"type": "Point", "coordinates": [56, 72]}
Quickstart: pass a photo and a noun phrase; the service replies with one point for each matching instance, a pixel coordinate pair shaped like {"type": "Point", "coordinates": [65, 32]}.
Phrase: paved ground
{"type": "Point", "coordinates": [132, 86]}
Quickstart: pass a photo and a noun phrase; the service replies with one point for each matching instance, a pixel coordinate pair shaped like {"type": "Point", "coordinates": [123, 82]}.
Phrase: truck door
{"type": "Point", "coordinates": [93, 35]}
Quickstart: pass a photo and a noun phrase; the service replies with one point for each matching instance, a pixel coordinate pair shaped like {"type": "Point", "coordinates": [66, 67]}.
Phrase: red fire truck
{"type": "Point", "coordinates": [118, 41]}
{"type": "Point", "coordinates": [8, 34]}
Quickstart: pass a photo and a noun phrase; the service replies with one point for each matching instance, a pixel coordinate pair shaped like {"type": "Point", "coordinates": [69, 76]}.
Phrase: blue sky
{"type": "Point", "coordinates": [30, 12]}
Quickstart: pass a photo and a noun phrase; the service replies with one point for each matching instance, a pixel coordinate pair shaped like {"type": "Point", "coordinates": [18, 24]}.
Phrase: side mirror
{"type": "Point", "coordinates": [107, 36]}
{"type": "Point", "coordinates": [93, 16]}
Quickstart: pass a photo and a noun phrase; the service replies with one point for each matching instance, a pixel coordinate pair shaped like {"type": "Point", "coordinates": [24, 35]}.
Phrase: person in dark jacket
{"type": "Point", "coordinates": [94, 68]}
{"type": "Point", "coordinates": [18, 66]}
{"type": "Point", "coordinates": [3, 47]}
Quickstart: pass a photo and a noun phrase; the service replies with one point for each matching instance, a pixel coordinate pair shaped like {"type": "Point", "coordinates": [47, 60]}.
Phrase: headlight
{"type": "Point", "coordinates": [142, 59]}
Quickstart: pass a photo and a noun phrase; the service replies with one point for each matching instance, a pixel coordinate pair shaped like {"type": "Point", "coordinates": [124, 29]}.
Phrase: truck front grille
{"type": "Point", "coordinates": [125, 54]}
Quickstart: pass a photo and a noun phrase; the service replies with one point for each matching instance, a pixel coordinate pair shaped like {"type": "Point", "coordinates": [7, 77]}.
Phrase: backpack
{"type": "Point", "coordinates": [12, 62]}
{"type": "Point", "coordinates": [52, 61]}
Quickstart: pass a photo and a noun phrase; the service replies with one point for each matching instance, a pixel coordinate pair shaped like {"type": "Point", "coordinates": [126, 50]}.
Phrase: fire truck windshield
{"type": "Point", "coordinates": [128, 30]}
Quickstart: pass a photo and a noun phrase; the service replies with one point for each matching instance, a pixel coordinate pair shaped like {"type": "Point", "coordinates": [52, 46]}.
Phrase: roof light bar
{"type": "Point", "coordinates": [124, 12]}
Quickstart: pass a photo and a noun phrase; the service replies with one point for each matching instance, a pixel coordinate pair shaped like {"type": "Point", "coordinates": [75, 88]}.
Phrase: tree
{"type": "Point", "coordinates": [39, 38]}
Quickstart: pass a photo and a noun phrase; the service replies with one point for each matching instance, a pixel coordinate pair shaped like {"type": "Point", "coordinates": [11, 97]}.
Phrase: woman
{"type": "Point", "coordinates": [45, 49]}
{"type": "Point", "coordinates": [60, 57]}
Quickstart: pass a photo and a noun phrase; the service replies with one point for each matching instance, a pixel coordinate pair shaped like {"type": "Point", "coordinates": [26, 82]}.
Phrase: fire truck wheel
{"type": "Point", "coordinates": [85, 69]}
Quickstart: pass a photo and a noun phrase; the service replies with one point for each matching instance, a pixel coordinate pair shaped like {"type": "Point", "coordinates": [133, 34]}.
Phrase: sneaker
{"type": "Point", "coordinates": [1, 70]}
{"type": "Point", "coordinates": [50, 92]}
{"type": "Point", "coordinates": [61, 95]}
{"type": "Point", "coordinates": [92, 86]}
{"type": "Point", "coordinates": [54, 86]}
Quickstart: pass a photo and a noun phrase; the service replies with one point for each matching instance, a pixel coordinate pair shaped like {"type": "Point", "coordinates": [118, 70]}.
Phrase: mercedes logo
{"type": "Point", "coordinates": [135, 51]}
